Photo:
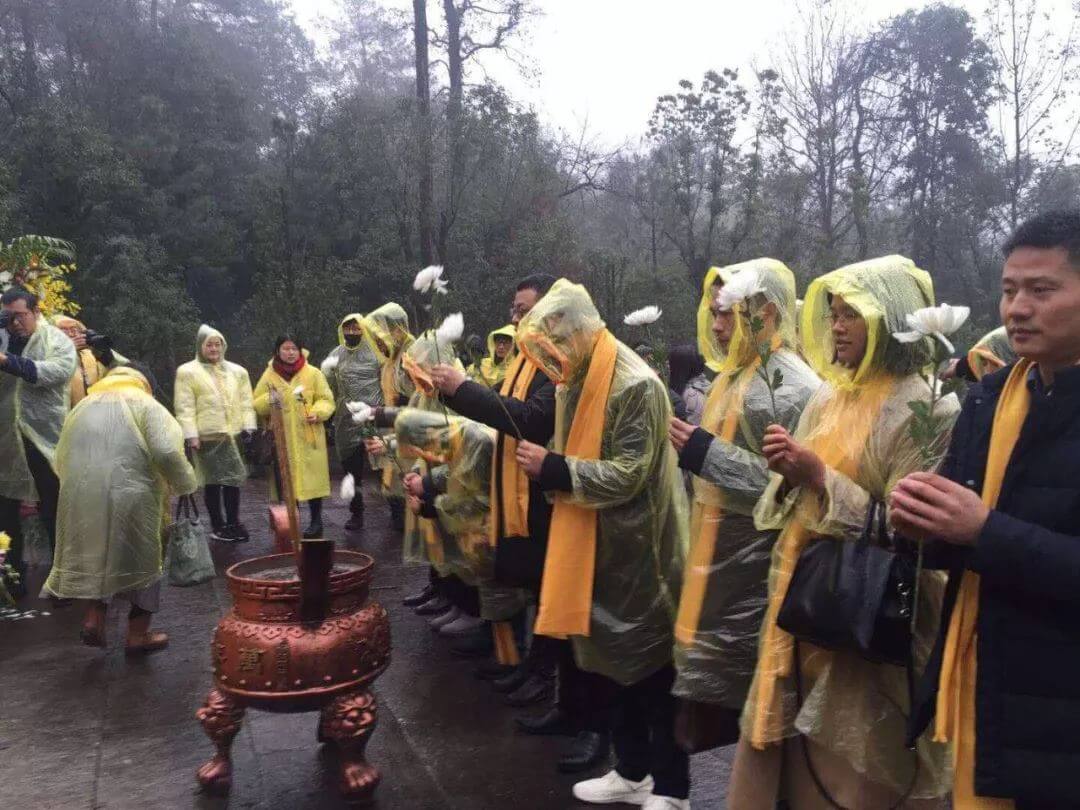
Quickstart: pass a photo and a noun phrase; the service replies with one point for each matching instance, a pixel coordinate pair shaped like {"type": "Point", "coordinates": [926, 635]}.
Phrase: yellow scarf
{"type": "Point", "coordinates": [955, 720]}
{"type": "Point", "coordinates": [854, 411]}
{"type": "Point", "coordinates": [570, 563]}
{"type": "Point", "coordinates": [721, 418]}
{"type": "Point", "coordinates": [512, 502]}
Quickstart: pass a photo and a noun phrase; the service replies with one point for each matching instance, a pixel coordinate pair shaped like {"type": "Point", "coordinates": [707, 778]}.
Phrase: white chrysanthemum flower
{"type": "Point", "coordinates": [330, 363]}
{"type": "Point", "coordinates": [742, 286]}
{"type": "Point", "coordinates": [644, 316]}
{"type": "Point", "coordinates": [430, 278]}
{"type": "Point", "coordinates": [348, 488]}
{"type": "Point", "coordinates": [6, 277]}
{"type": "Point", "coordinates": [934, 322]}
{"type": "Point", "coordinates": [298, 392]}
{"type": "Point", "coordinates": [451, 329]}
{"type": "Point", "coordinates": [361, 412]}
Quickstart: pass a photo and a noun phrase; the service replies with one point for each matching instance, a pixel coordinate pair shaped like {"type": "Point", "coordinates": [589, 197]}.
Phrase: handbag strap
{"type": "Point", "coordinates": [909, 671]}
{"type": "Point", "coordinates": [187, 506]}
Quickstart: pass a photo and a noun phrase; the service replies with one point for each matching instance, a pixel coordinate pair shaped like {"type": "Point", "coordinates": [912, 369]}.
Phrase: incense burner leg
{"type": "Point", "coordinates": [220, 717]}
{"type": "Point", "coordinates": [349, 721]}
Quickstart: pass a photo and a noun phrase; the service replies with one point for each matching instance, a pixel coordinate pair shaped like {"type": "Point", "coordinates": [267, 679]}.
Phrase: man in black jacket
{"type": "Point", "coordinates": [1004, 676]}
{"type": "Point", "coordinates": [519, 561]}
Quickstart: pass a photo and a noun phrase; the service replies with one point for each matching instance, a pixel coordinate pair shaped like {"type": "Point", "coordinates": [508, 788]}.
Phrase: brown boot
{"type": "Point", "coordinates": [93, 626]}
{"type": "Point", "coordinates": [139, 637]}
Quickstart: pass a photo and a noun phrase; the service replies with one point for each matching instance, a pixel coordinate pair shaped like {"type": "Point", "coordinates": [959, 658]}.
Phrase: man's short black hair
{"type": "Point", "coordinates": [1049, 230]}
{"type": "Point", "coordinates": [19, 294]}
{"type": "Point", "coordinates": [541, 282]}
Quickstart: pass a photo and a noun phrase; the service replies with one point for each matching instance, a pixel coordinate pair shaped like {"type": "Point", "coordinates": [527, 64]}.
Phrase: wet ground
{"type": "Point", "coordinates": [85, 728]}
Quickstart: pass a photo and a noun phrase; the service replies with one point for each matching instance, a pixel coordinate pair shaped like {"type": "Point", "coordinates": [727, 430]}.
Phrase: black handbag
{"type": "Point", "coordinates": [853, 597]}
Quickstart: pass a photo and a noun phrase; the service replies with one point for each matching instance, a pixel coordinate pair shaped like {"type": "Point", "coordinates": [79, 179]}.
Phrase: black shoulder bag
{"type": "Point", "coordinates": [853, 597]}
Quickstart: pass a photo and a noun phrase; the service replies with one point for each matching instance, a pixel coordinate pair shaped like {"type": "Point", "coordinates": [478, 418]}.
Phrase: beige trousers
{"type": "Point", "coordinates": [760, 778]}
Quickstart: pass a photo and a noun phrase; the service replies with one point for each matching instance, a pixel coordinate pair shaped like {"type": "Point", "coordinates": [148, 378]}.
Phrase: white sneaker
{"type": "Point", "coordinates": [613, 789]}
{"type": "Point", "coordinates": [655, 802]}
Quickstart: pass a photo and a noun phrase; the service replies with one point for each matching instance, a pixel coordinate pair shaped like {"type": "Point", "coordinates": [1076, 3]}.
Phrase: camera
{"type": "Point", "coordinates": [97, 342]}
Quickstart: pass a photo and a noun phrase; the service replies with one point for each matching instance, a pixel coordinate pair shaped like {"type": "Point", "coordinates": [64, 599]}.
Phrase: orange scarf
{"type": "Point", "coordinates": [512, 501]}
{"type": "Point", "coordinates": [855, 412]}
{"type": "Point", "coordinates": [570, 563]}
{"type": "Point", "coordinates": [955, 720]}
{"type": "Point", "coordinates": [722, 412]}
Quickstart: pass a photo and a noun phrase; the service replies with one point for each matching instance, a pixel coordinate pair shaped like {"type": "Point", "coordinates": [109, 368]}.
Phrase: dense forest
{"type": "Point", "coordinates": [210, 163]}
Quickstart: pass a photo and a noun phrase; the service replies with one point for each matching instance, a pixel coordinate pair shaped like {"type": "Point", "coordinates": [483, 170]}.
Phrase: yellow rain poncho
{"type": "Point", "coordinates": [710, 349]}
{"type": "Point", "coordinates": [629, 498]}
{"type": "Point", "coordinates": [34, 411]}
{"type": "Point", "coordinates": [90, 369]}
{"type": "Point", "coordinates": [213, 403]}
{"type": "Point", "coordinates": [993, 351]}
{"type": "Point", "coordinates": [353, 374]}
{"type": "Point", "coordinates": [422, 541]}
{"type": "Point", "coordinates": [489, 370]}
{"type": "Point", "coordinates": [386, 330]}
{"type": "Point", "coordinates": [307, 393]}
{"type": "Point", "coordinates": [859, 425]}
{"type": "Point", "coordinates": [724, 594]}
{"type": "Point", "coordinates": [119, 455]}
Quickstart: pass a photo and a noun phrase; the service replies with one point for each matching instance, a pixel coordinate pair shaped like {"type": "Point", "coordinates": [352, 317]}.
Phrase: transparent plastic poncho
{"type": "Point", "coordinates": [119, 455]}
{"type": "Point", "coordinates": [34, 412]}
{"type": "Point", "coordinates": [635, 485]}
{"type": "Point", "coordinates": [724, 593]}
{"type": "Point", "coordinates": [213, 403]}
{"type": "Point", "coordinates": [708, 345]}
{"type": "Point", "coordinates": [859, 425]}
{"type": "Point", "coordinates": [422, 542]}
{"type": "Point", "coordinates": [386, 331]}
{"type": "Point", "coordinates": [489, 371]}
{"type": "Point", "coordinates": [992, 352]}
{"type": "Point", "coordinates": [354, 376]}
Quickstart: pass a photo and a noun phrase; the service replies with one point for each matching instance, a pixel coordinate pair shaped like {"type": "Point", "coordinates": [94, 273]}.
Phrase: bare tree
{"type": "Point", "coordinates": [1036, 55]}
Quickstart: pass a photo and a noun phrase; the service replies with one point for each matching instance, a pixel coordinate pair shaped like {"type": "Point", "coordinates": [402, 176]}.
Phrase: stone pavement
{"type": "Point", "coordinates": [84, 728]}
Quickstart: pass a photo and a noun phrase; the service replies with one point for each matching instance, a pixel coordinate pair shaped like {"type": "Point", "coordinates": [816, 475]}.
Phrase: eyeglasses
{"type": "Point", "coordinates": [844, 318]}
{"type": "Point", "coordinates": [21, 317]}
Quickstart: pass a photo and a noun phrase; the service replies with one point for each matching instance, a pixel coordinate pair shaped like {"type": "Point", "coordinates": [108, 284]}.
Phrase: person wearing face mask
{"type": "Point", "coordinates": [352, 369]}
{"type": "Point", "coordinates": [307, 404]}
{"type": "Point", "coordinates": [617, 540]}
{"type": "Point", "coordinates": [842, 743]}
{"type": "Point", "coordinates": [724, 592]}
{"type": "Point", "coordinates": [386, 330]}
{"type": "Point", "coordinates": [36, 367]}
{"type": "Point", "coordinates": [213, 404]}
{"type": "Point", "coordinates": [1003, 517]}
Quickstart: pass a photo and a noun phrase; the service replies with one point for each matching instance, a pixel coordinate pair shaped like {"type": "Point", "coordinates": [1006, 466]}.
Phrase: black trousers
{"type": "Point", "coordinates": [48, 488]}
{"type": "Point", "coordinates": [213, 495]}
{"type": "Point", "coordinates": [355, 465]}
{"type": "Point", "coordinates": [643, 734]}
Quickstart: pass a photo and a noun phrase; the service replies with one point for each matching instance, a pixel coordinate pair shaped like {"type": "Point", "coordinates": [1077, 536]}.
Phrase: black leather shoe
{"type": "Point", "coordinates": [476, 645]}
{"type": "Point", "coordinates": [553, 723]}
{"type": "Point", "coordinates": [586, 751]}
{"type": "Point", "coordinates": [417, 599]}
{"type": "Point", "coordinates": [511, 682]}
{"type": "Point", "coordinates": [492, 670]}
{"type": "Point", "coordinates": [355, 523]}
{"type": "Point", "coordinates": [534, 690]}
{"type": "Point", "coordinates": [314, 531]}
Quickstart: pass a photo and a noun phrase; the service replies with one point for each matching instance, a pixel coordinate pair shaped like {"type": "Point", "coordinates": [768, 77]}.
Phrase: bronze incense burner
{"type": "Point", "coordinates": [301, 637]}
{"type": "Point", "coordinates": [266, 656]}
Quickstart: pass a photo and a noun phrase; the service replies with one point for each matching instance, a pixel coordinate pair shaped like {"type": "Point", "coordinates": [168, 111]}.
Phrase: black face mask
{"type": "Point", "coordinates": [352, 341]}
